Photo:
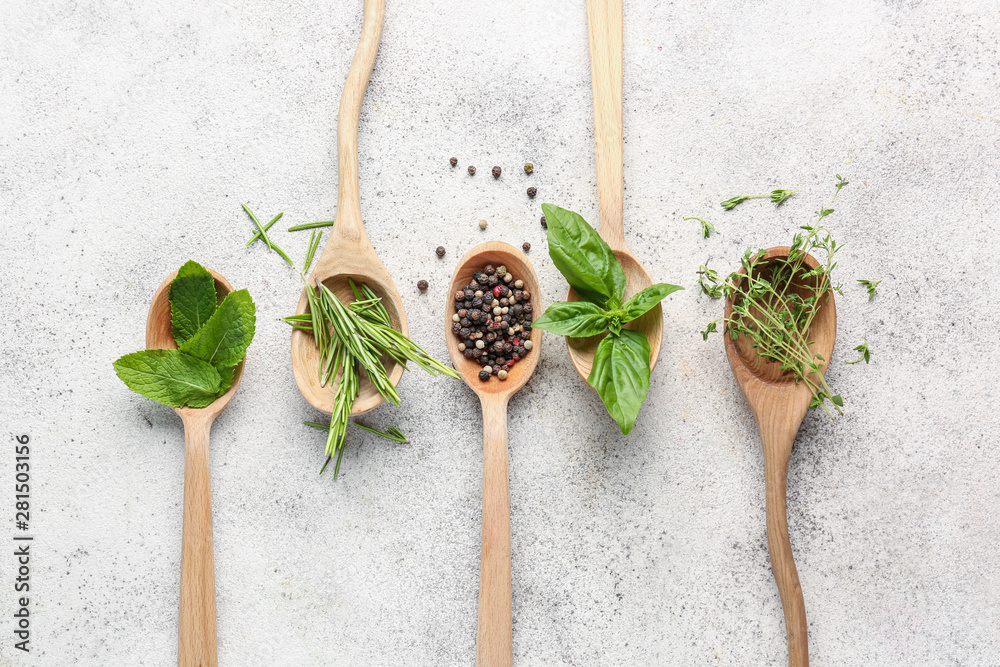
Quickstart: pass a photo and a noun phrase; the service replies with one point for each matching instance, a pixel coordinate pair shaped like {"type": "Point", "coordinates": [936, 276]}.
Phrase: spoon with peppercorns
{"type": "Point", "coordinates": [349, 254]}
{"type": "Point", "coordinates": [492, 298]}
{"type": "Point", "coordinates": [604, 23]}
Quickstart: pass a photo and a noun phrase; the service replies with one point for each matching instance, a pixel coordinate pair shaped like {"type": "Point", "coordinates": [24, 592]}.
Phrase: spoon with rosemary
{"type": "Point", "coordinates": [494, 646]}
{"type": "Point", "coordinates": [349, 254]}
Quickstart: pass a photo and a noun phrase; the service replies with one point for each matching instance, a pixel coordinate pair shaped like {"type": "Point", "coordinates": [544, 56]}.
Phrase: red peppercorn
{"type": "Point", "coordinates": [496, 291]}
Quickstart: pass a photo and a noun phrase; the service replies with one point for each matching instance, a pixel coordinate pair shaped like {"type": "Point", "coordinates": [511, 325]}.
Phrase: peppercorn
{"type": "Point", "coordinates": [482, 278]}
{"type": "Point", "coordinates": [518, 284]}
{"type": "Point", "coordinates": [422, 285]}
{"type": "Point", "coordinates": [525, 294]}
{"type": "Point", "coordinates": [493, 280]}
{"type": "Point", "coordinates": [477, 302]}
{"type": "Point", "coordinates": [472, 170]}
{"type": "Point", "coordinates": [489, 269]}
{"type": "Point", "coordinates": [460, 295]}
{"type": "Point", "coordinates": [496, 172]}
{"type": "Point", "coordinates": [525, 246]}
{"type": "Point", "coordinates": [518, 309]}
{"type": "Point", "coordinates": [462, 312]}
{"type": "Point", "coordinates": [482, 224]}
{"type": "Point", "coordinates": [545, 225]}
{"type": "Point", "coordinates": [484, 376]}
{"type": "Point", "coordinates": [440, 251]}
{"type": "Point", "coordinates": [501, 270]}
{"type": "Point", "coordinates": [453, 161]}
{"type": "Point", "coordinates": [528, 167]}
{"type": "Point", "coordinates": [527, 345]}
{"type": "Point", "coordinates": [456, 327]}
{"type": "Point", "coordinates": [468, 353]}
{"type": "Point", "coordinates": [527, 308]}
{"type": "Point", "coordinates": [532, 192]}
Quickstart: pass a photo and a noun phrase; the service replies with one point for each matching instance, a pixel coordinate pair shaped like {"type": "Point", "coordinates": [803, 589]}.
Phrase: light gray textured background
{"type": "Point", "coordinates": [131, 131]}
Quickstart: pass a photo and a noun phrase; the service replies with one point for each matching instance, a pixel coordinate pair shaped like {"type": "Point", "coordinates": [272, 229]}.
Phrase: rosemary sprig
{"type": "Point", "coordinates": [352, 338]}
{"type": "Point", "coordinates": [262, 234]}
{"type": "Point", "coordinates": [311, 225]}
{"type": "Point", "coordinates": [393, 434]}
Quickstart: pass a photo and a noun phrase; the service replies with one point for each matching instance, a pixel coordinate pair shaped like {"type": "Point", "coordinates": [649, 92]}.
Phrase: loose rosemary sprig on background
{"type": "Point", "coordinates": [353, 338]}
{"type": "Point", "coordinates": [311, 225]}
{"type": "Point", "coordinates": [777, 197]}
{"type": "Point", "coordinates": [262, 234]}
{"type": "Point", "coordinates": [771, 313]}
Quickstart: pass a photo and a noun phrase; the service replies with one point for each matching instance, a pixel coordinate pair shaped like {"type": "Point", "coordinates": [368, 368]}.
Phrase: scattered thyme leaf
{"type": "Point", "coordinates": [865, 353]}
{"type": "Point", "coordinates": [708, 281]}
{"type": "Point", "coordinates": [706, 227]}
{"type": "Point", "coordinates": [778, 197]}
{"type": "Point", "coordinates": [870, 285]}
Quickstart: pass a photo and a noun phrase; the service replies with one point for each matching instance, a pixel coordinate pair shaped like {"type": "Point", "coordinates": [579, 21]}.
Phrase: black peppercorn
{"type": "Point", "coordinates": [517, 310]}
{"type": "Point", "coordinates": [462, 312]}
{"type": "Point", "coordinates": [525, 246]}
{"type": "Point", "coordinates": [422, 285]}
{"type": "Point", "coordinates": [477, 302]}
{"type": "Point", "coordinates": [469, 352]}
{"type": "Point", "coordinates": [489, 269]}
{"type": "Point", "coordinates": [525, 294]}
{"type": "Point", "coordinates": [482, 278]}
{"type": "Point", "coordinates": [467, 303]}
{"type": "Point", "coordinates": [490, 337]}
{"type": "Point", "coordinates": [440, 251]}
{"type": "Point", "coordinates": [459, 295]}
{"type": "Point", "coordinates": [493, 280]}
{"type": "Point", "coordinates": [545, 225]}
{"type": "Point", "coordinates": [508, 348]}
{"type": "Point", "coordinates": [469, 293]}
{"type": "Point", "coordinates": [484, 376]}
{"type": "Point", "coordinates": [456, 327]}
{"type": "Point", "coordinates": [472, 170]}
{"type": "Point", "coordinates": [465, 331]}
{"type": "Point", "coordinates": [527, 308]}
{"type": "Point", "coordinates": [473, 285]}
{"type": "Point", "coordinates": [453, 161]}
{"type": "Point", "coordinates": [465, 321]}
{"type": "Point", "coordinates": [532, 192]}
{"type": "Point", "coordinates": [496, 172]}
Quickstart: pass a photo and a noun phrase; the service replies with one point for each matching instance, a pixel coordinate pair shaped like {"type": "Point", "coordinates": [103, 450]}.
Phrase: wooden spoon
{"type": "Point", "coordinates": [349, 254]}
{"type": "Point", "coordinates": [604, 23]}
{"type": "Point", "coordinates": [778, 405]}
{"type": "Point", "coordinates": [494, 639]}
{"type": "Point", "coordinates": [197, 645]}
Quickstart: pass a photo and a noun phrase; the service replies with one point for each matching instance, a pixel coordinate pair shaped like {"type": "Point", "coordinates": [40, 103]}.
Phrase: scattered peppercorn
{"type": "Point", "coordinates": [472, 170]}
{"type": "Point", "coordinates": [454, 161]}
{"type": "Point", "coordinates": [525, 246]}
{"type": "Point", "coordinates": [532, 192]}
{"type": "Point", "coordinates": [528, 168]}
{"type": "Point", "coordinates": [545, 225]}
{"type": "Point", "coordinates": [494, 321]}
{"type": "Point", "coordinates": [440, 251]}
{"type": "Point", "coordinates": [482, 224]}
{"type": "Point", "coordinates": [422, 285]}
{"type": "Point", "coordinates": [496, 172]}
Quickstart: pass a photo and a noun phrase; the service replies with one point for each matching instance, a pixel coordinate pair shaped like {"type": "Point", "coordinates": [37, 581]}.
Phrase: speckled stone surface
{"type": "Point", "coordinates": [131, 131]}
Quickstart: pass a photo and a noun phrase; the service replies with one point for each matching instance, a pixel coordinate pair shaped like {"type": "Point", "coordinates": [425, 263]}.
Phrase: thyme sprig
{"type": "Point", "coordinates": [770, 311]}
{"type": "Point", "coordinates": [865, 353]}
{"type": "Point", "coordinates": [706, 227]}
{"type": "Point", "coordinates": [777, 197]}
{"type": "Point", "coordinates": [870, 285]}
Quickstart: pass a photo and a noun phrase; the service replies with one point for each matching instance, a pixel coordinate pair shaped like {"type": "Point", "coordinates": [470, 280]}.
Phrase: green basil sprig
{"type": "Point", "coordinates": [621, 364]}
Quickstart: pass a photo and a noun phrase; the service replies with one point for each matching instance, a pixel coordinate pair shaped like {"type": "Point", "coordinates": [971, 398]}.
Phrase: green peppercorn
{"type": "Point", "coordinates": [528, 167]}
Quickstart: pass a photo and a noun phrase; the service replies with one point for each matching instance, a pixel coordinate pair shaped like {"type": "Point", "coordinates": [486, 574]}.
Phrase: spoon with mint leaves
{"type": "Point", "coordinates": [197, 333]}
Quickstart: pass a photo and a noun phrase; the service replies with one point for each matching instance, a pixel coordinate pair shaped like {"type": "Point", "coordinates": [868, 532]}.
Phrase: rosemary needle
{"type": "Point", "coordinates": [263, 234]}
{"type": "Point", "coordinates": [311, 225]}
{"type": "Point", "coordinates": [256, 235]}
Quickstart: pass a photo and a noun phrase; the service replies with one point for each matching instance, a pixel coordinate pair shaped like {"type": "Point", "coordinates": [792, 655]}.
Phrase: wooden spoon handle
{"type": "Point", "coordinates": [494, 647]}
{"type": "Point", "coordinates": [349, 225]}
{"type": "Point", "coordinates": [780, 548]}
{"type": "Point", "coordinates": [197, 647]}
{"type": "Point", "coordinates": [604, 23]}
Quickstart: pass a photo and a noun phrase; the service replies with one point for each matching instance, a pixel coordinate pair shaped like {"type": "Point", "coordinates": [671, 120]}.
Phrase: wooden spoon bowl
{"type": "Point", "coordinates": [779, 404]}
{"type": "Point", "coordinates": [197, 625]}
{"type": "Point", "coordinates": [494, 645]}
{"type": "Point", "coordinates": [496, 253]}
{"type": "Point", "coordinates": [305, 354]}
{"type": "Point", "coordinates": [582, 350]}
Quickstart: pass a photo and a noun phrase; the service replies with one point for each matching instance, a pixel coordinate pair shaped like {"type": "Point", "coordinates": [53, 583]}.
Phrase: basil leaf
{"type": "Point", "coordinates": [621, 375]}
{"type": "Point", "coordinates": [223, 340]}
{"type": "Point", "coordinates": [582, 256]}
{"type": "Point", "coordinates": [192, 300]}
{"type": "Point", "coordinates": [644, 301]}
{"type": "Point", "coordinates": [573, 318]}
{"type": "Point", "coordinates": [169, 377]}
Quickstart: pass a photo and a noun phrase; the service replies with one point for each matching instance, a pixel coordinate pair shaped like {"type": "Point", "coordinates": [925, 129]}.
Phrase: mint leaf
{"type": "Point", "coordinates": [573, 318]}
{"type": "Point", "coordinates": [169, 377]}
{"type": "Point", "coordinates": [644, 301]}
{"type": "Point", "coordinates": [192, 300]}
{"type": "Point", "coordinates": [223, 340]}
{"type": "Point", "coordinates": [226, 373]}
{"type": "Point", "coordinates": [582, 256]}
{"type": "Point", "coordinates": [621, 375]}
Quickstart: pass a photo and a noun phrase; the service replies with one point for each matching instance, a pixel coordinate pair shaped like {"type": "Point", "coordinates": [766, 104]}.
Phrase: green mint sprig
{"type": "Point", "coordinates": [212, 341]}
{"type": "Point", "coordinates": [621, 363]}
